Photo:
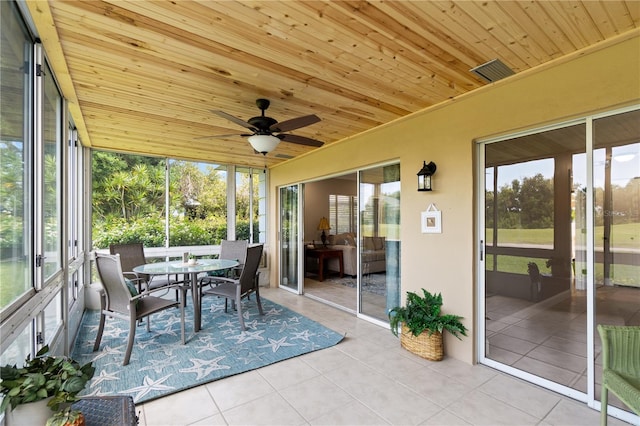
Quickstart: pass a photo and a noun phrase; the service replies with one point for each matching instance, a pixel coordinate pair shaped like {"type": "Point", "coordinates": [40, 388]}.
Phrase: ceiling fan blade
{"type": "Point", "coordinates": [294, 123]}
{"type": "Point", "coordinates": [300, 140]}
{"type": "Point", "coordinates": [234, 119]}
{"type": "Point", "coordinates": [218, 136]}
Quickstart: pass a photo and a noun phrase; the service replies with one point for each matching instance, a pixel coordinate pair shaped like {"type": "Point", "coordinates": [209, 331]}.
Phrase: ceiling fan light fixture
{"type": "Point", "coordinates": [264, 143]}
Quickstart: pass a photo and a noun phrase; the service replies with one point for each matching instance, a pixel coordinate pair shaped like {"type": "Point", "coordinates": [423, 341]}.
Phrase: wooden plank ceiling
{"type": "Point", "coordinates": [143, 76]}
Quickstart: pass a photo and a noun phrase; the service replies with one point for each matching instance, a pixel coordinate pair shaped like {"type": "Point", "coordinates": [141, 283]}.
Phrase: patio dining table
{"type": "Point", "coordinates": [192, 271]}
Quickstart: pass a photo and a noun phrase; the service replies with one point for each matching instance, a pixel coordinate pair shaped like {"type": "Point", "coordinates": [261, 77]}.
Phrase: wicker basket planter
{"type": "Point", "coordinates": [425, 346]}
{"type": "Point", "coordinates": [421, 314]}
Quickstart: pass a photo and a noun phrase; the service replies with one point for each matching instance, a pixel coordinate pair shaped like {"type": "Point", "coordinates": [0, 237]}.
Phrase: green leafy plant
{"type": "Point", "coordinates": [66, 417]}
{"type": "Point", "coordinates": [44, 376]}
{"type": "Point", "coordinates": [422, 313]}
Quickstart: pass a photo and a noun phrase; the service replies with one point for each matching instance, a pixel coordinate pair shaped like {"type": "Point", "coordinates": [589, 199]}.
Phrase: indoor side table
{"type": "Point", "coordinates": [322, 253]}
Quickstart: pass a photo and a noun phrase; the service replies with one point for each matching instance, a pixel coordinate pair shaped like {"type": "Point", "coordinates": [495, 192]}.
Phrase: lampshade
{"type": "Point", "coordinates": [324, 224]}
{"type": "Point", "coordinates": [263, 143]}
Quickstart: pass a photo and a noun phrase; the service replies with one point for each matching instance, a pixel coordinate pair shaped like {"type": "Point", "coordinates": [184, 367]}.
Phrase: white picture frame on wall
{"type": "Point", "coordinates": [431, 220]}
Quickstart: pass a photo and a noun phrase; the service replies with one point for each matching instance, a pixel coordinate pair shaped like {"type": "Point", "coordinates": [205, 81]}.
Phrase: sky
{"type": "Point", "coordinates": [625, 166]}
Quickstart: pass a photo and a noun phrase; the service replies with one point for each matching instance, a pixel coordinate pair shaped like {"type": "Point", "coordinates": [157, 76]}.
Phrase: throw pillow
{"type": "Point", "coordinates": [349, 240]}
{"type": "Point", "coordinates": [367, 243]}
{"type": "Point", "coordinates": [378, 243]}
{"type": "Point", "coordinates": [132, 289]}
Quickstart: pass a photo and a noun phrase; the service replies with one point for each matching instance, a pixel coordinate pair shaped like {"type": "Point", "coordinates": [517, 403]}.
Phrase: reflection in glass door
{"type": "Point", "coordinates": [379, 206]}
{"type": "Point", "coordinates": [288, 235]}
{"type": "Point", "coordinates": [561, 237]}
{"type": "Point", "coordinates": [616, 215]}
{"type": "Point", "coordinates": [535, 317]}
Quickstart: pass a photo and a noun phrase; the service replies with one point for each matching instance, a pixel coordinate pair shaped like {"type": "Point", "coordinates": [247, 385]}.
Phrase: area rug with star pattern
{"type": "Point", "coordinates": [161, 365]}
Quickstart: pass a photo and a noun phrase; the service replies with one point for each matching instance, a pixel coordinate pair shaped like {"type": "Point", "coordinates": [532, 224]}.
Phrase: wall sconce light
{"type": "Point", "coordinates": [424, 176]}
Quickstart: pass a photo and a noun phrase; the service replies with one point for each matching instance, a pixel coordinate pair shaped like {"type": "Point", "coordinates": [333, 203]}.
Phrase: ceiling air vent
{"type": "Point", "coordinates": [285, 156]}
{"type": "Point", "coordinates": [493, 70]}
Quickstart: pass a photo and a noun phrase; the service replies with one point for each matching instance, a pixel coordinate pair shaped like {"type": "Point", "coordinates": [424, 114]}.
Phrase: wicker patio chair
{"type": "Point", "coordinates": [620, 366]}
{"type": "Point", "coordinates": [120, 299]}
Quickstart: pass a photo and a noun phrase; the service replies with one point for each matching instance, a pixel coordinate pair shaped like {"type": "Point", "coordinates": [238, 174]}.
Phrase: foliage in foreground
{"type": "Point", "coordinates": [150, 231]}
{"type": "Point", "coordinates": [42, 377]}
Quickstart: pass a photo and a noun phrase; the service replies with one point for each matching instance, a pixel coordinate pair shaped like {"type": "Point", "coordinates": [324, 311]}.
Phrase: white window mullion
{"type": "Point", "coordinates": [590, 265]}
{"type": "Point", "coordinates": [231, 202]}
{"type": "Point", "coordinates": [38, 166]}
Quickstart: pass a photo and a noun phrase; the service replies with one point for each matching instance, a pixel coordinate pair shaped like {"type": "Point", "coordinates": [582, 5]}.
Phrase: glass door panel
{"type": "Point", "coordinates": [535, 318]}
{"type": "Point", "coordinates": [52, 174]}
{"type": "Point", "coordinates": [16, 153]}
{"type": "Point", "coordinates": [616, 186]}
{"type": "Point", "coordinates": [379, 204]}
{"type": "Point", "coordinates": [566, 262]}
{"type": "Point", "coordinates": [289, 257]}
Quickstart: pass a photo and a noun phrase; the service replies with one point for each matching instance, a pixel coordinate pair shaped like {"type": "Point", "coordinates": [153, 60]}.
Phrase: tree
{"type": "Point", "coordinates": [243, 188]}
{"type": "Point", "coordinates": [11, 178]}
{"type": "Point", "coordinates": [626, 201]}
{"type": "Point", "coordinates": [509, 206]}
{"type": "Point", "coordinates": [126, 186]}
{"type": "Point", "coordinates": [536, 200]}
{"type": "Point", "coordinates": [186, 189]}
{"type": "Point", "coordinates": [214, 194]}
{"type": "Point", "coordinates": [526, 205]}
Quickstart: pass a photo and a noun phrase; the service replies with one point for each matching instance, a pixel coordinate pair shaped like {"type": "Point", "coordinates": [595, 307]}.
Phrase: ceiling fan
{"type": "Point", "coordinates": [268, 132]}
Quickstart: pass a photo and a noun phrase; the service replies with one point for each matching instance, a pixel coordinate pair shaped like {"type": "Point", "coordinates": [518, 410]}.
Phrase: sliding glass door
{"type": "Point", "coordinates": [364, 230]}
{"type": "Point", "coordinates": [616, 216]}
{"type": "Point", "coordinates": [560, 250]}
{"type": "Point", "coordinates": [379, 245]}
{"type": "Point", "coordinates": [290, 267]}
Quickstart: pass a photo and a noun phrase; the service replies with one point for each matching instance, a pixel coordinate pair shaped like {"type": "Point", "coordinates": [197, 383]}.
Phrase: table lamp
{"type": "Point", "coordinates": [324, 226]}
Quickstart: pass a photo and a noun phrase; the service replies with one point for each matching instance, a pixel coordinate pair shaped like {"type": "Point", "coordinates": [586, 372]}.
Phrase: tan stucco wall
{"type": "Point", "coordinates": [595, 80]}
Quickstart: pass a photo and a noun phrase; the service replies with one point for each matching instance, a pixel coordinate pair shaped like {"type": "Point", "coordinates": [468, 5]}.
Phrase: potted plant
{"type": "Point", "coordinates": [422, 324]}
{"type": "Point", "coordinates": [56, 379]}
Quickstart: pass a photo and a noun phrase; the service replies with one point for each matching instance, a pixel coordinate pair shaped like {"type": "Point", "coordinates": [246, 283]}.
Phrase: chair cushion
{"type": "Point", "coordinates": [221, 272]}
{"type": "Point", "coordinates": [132, 289]}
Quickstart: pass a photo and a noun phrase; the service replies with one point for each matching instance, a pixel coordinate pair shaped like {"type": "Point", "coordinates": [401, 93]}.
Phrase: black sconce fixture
{"type": "Point", "coordinates": [424, 176]}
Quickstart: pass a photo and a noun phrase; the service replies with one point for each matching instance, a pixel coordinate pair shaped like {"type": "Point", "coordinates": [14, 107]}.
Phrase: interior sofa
{"type": "Point", "coordinates": [373, 254]}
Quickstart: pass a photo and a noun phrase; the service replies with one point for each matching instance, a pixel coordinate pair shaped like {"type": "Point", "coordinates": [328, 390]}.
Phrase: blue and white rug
{"type": "Point", "coordinates": [371, 283]}
{"type": "Point", "coordinates": [161, 365]}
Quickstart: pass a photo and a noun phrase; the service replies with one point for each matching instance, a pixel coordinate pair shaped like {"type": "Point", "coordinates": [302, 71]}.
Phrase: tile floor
{"type": "Point", "coordinates": [367, 379]}
{"type": "Point", "coordinates": [345, 297]}
{"type": "Point", "coordinates": [549, 339]}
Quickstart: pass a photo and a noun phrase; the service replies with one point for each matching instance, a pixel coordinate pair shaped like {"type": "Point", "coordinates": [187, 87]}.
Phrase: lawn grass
{"type": "Point", "coordinates": [13, 281]}
{"type": "Point", "coordinates": [623, 236]}
{"type": "Point", "coordinates": [620, 274]}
